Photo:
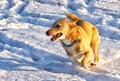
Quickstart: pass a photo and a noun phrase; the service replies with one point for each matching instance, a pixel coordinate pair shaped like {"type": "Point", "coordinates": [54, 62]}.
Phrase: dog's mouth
{"type": "Point", "coordinates": [56, 36]}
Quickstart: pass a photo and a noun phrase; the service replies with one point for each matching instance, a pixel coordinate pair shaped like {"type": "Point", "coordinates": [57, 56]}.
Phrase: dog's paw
{"type": "Point", "coordinates": [88, 68]}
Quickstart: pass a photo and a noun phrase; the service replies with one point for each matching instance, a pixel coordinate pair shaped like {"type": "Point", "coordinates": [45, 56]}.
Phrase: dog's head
{"type": "Point", "coordinates": [59, 30]}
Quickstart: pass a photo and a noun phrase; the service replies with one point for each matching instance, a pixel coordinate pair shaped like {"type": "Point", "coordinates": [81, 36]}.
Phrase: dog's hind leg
{"type": "Point", "coordinates": [95, 46]}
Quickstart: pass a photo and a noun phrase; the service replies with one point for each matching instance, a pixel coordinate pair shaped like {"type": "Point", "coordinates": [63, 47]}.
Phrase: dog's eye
{"type": "Point", "coordinates": [57, 26]}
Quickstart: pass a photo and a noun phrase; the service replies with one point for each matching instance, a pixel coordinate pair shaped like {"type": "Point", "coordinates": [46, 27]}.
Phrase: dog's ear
{"type": "Point", "coordinates": [79, 22]}
{"type": "Point", "coordinates": [70, 15]}
{"type": "Point", "coordinates": [64, 18]}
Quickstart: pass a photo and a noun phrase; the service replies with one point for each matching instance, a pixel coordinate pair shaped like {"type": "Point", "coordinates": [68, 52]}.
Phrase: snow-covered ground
{"type": "Point", "coordinates": [27, 54]}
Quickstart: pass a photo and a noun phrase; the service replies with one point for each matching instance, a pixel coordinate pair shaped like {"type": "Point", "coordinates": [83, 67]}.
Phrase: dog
{"type": "Point", "coordinates": [78, 37]}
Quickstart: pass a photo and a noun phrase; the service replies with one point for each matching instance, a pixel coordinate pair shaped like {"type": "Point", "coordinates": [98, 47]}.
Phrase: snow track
{"type": "Point", "coordinates": [27, 54]}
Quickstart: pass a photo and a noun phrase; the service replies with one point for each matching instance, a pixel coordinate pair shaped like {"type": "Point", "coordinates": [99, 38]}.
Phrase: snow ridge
{"type": "Point", "coordinates": [27, 54]}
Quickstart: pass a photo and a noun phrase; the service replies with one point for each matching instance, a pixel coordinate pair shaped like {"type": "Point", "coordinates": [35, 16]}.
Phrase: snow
{"type": "Point", "coordinates": [27, 54]}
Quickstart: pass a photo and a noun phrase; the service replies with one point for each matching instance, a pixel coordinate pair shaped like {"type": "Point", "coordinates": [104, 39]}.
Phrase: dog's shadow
{"type": "Point", "coordinates": [57, 64]}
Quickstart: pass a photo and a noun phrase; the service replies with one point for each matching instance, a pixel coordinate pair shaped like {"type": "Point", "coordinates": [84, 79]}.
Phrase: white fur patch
{"type": "Point", "coordinates": [66, 41]}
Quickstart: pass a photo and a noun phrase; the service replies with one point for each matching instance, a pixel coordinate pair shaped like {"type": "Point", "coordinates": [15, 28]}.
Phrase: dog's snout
{"type": "Point", "coordinates": [47, 33]}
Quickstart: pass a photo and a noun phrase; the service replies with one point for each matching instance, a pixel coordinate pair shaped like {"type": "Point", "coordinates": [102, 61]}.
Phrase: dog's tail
{"type": "Point", "coordinates": [69, 14]}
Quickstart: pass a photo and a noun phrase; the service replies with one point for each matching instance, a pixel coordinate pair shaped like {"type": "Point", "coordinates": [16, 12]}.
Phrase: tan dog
{"type": "Point", "coordinates": [78, 37]}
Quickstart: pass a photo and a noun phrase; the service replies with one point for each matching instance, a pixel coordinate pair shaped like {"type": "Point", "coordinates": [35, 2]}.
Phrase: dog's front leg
{"type": "Point", "coordinates": [86, 59]}
{"type": "Point", "coordinates": [79, 60]}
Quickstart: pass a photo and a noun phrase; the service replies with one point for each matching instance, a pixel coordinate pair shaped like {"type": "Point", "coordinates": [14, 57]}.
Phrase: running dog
{"type": "Point", "coordinates": [79, 38]}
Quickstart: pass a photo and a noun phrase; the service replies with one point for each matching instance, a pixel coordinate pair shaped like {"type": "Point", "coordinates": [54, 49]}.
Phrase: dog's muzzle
{"type": "Point", "coordinates": [47, 33]}
{"type": "Point", "coordinates": [55, 36]}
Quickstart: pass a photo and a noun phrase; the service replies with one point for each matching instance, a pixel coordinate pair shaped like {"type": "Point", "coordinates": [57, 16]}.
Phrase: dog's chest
{"type": "Point", "coordinates": [71, 49]}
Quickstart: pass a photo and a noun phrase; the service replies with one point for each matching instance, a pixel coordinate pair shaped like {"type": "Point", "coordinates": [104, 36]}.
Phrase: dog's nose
{"type": "Point", "coordinates": [47, 33]}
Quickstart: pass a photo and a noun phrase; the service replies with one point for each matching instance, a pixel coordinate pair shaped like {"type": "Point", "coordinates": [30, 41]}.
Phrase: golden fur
{"type": "Point", "coordinates": [79, 38]}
